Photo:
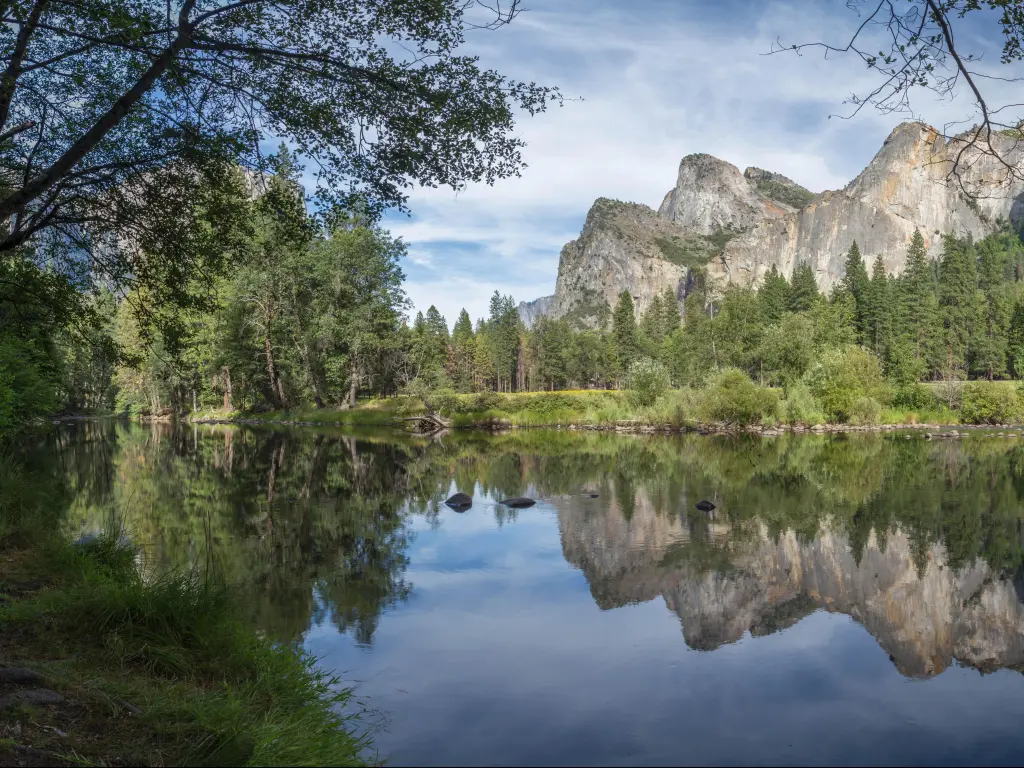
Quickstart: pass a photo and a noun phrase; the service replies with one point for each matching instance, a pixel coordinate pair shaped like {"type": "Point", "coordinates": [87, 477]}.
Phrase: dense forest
{"type": "Point", "coordinates": [316, 315]}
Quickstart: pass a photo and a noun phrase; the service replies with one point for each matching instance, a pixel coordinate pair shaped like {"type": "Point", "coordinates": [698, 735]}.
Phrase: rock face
{"type": "Point", "coordinates": [740, 224]}
{"type": "Point", "coordinates": [623, 246]}
{"type": "Point", "coordinates": [529, 311]}
{"type": "Point", "coordinates": [924, 619]}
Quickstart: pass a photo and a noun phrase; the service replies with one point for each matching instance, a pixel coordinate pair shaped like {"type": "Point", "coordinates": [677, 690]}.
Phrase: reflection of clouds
{"type": "Point", "coordinates": [766, 584]}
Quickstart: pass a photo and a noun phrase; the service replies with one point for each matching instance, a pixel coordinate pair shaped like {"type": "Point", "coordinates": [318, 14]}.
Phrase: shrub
{"type": "Point", "coordinates": [842, 377]}
{"type": "Point", "coordinates": [989, 403]}
{"type": "Point", "coordinates": [914, 397]}
{"type": "Point", "coordinates": [441, 400]}
{"type": "Point", "coordinates": [866, 410]}
{"type": "Point", "coordinates": [647, 380]}
{"type": "Point", "coordinates": [487, 401]}
{"type": "Point", "coordinates": [800, 407]}
{"type": "Point", "coordinates": [732, 397]}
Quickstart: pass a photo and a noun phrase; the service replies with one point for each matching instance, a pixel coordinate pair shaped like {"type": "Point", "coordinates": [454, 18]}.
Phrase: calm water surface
{"type": "Point", "coordinates": [852, 599]}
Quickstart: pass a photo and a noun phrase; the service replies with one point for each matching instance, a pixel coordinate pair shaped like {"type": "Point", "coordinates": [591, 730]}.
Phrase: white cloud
{"type": "Point", "coordinates": [658, 80]}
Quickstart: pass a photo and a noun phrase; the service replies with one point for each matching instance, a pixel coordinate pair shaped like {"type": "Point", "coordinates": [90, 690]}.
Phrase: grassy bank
{"type": "Point", "coordinates": [142, 670]}
{"type": "Point", "coordinates": [978, 402]}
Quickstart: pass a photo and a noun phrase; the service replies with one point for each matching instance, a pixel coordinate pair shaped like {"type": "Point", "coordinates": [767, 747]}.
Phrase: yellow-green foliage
{"type": "Point", "coordinates": [843, 376]}
{"type": "Point", "coordinates": [733, 398]}
{"type": "Point", "coordinates": [990, 403]}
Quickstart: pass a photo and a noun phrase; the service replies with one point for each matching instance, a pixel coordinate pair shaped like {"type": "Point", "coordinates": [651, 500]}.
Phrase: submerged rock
{"type": "Point", "coordinates": [459, 501]}
{"type": "Point", "coordinates": [519, 502]}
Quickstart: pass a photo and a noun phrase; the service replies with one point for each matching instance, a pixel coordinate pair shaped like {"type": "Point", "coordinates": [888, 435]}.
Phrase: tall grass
{"type": "Point", "coordinates": [212, 690]}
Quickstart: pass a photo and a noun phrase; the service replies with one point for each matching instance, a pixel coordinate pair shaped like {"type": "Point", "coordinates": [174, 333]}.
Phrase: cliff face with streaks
{"type": "Point", "coordinates": [740, 224]}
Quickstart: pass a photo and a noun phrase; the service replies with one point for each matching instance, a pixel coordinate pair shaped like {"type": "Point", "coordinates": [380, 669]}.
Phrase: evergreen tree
{"type": "Point", "coordinates": [958, 304]}
{"type": "Point", "coordinates": [774, 296]}
{"type": "Point", "coordinates": [1015, 340]}
{"type": "Point", "coordinates": [464, 349]}
{"type": "Point", "coordinates": [878, 310]}
{"type": "Point", "coordinates": [669, 313]}
{"type": "Point", "coordinates": [652, 328]}
{"type": "Point", "coordinates": [857, 283]}
{"type": "Point", "coordinates": [989, 352]}
{"type": "Point", "coordinates": [918, 311]}
{"type": "Point", "coordinates": [803, 292]}
{"type": "Point", "coordinates": [624, 332]}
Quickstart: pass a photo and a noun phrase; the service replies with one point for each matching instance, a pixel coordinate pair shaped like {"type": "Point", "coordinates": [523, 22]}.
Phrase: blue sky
{"type": "Point", "coordinates": [650, 82]}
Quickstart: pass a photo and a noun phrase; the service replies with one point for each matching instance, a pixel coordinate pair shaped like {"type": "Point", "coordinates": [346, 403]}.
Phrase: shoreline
{"type": "Point", "coordinates": [627, 427]}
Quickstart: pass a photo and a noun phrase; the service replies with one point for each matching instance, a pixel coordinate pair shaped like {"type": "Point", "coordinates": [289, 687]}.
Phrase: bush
{"type": "Point", "coordinates": [440, 400]}
{"type": "Point", "coordinates": [989, 403]}
{"type": "Point", "coordinates": [647, 380]}
{"type": "Point", "coordinates": [866, 410]}
{"type": "Point", "coordinates": [800, 407]}
{"type": "Point", "coordinates": [842, 377]}
{"type": "Point", "coordinates": [733, 398]}
{"type": "Point", "coordinates": [486, 401]}
{"type": "Point", "coordinates": [913, 397]}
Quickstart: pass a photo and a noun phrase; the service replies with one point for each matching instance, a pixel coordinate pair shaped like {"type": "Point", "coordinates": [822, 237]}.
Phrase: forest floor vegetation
{"type": "Point", "coordinates": [104, 664]}
{"type": "Point", "coordinates": [729, 402]}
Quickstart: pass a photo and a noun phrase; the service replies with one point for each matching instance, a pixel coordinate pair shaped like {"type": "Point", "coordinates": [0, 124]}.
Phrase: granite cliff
{"type": "Point", "coordinates": [734, 226]}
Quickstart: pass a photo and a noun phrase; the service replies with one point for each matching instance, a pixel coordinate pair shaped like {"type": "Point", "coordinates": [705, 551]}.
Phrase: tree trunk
{"type": "Point", "coordinates": [276, 388]}
{"type": "Point", "coordinates": [227, 389]}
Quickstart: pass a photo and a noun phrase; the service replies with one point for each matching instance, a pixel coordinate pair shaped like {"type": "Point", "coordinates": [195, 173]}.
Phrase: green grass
{"type": "Point", "coordinates": [211, 690]}
{"type": "Point", "coordinates": [368, 413]}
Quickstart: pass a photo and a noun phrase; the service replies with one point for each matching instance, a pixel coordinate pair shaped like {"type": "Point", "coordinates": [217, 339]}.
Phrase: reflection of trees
{"type": "Point", "coordinates": [312, 523]}
{"type": "Point", "coordinates": [316, 522]}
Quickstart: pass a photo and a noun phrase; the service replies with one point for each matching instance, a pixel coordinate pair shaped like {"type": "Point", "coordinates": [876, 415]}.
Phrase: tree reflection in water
{"type": "Point", "coordinates": [919, 541]}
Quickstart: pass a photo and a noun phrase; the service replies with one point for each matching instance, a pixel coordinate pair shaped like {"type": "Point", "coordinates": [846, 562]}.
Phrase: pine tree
{"type": "Point", "coordinates": [670, 316]}
{"type": "Point", "coordinates": [958, 304]}
{"type": "Point", "coordinates": [1015, 340]}
{"type": "Point", "coordinates": [857, 283]}
{"type": "Point", "coordinates": [624, 332]}
{"type": "Point", "coordinates": [652, 330]}
{"type": "Point", "coordinates": [918, 310]}
{"type": "Point", "coordinates": [878, 310]}
{"type": "Point", "coordinates": [774, 296]}
{"type": "Point", "coordinates": [464, 348]}
{"type": "Point", "coordinates": [803, 292]}
{"type": "Point", "coordinates": [995, 269]}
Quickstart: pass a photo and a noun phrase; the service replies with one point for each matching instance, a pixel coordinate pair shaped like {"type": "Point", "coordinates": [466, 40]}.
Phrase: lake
{"type": "Point", "coordinates": [851, 599]}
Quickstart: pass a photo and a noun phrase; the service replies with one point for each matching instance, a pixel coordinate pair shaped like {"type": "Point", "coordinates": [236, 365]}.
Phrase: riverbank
{"type": "Point", "coordinates": [604, 410]}
{"type": "Point", "coordinates": [104, 664]}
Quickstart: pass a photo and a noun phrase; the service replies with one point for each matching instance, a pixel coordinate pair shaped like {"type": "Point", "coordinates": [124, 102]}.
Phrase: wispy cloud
{"type": "Point", "coordinates": [648, 81]}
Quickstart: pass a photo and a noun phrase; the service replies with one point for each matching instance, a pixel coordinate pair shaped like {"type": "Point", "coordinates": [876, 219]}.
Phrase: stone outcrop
{"type": "Point", "coordinates": [741, 224]}
{"type": "Point", "coordinates": [623, 246]}
{"type": "Point", "coordinates": [529, 311]}
{"type": "Point", "coordinates": [923, 618]}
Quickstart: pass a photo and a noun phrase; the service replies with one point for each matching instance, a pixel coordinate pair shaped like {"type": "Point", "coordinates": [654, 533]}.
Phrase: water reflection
{"type": "Point", "coordinates": [919, 542]}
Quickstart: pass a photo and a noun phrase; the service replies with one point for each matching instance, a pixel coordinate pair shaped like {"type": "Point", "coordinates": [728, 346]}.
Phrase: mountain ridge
{"type": "Point", "coordinates": [737, 225]}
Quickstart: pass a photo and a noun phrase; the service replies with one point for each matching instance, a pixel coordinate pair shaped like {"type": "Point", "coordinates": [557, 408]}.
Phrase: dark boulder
{"type": "Point", "coordinates": [519, 502]}
{"type": "Point", "coordinates": [705, 506]}
{"type": "Point", "coordinates": [460, 501]}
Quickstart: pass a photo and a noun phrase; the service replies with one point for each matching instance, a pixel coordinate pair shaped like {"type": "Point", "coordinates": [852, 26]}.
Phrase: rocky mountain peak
{"type": "Point", "coordinates": [737, 225]}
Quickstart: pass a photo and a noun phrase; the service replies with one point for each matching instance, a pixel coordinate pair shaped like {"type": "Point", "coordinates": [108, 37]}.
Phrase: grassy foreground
{"type": "Point", "coordinates": [142, 671]}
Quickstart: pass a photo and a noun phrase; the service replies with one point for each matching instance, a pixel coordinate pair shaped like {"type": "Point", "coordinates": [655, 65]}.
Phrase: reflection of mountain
{"type": "Point", "coordinates": [724, 583]}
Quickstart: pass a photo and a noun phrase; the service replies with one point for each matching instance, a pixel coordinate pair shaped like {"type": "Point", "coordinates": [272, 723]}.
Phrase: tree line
{"type": "Point", "coordinates": [957, 317]}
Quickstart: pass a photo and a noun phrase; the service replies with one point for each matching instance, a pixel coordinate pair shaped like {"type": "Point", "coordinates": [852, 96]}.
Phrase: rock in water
{"type": "Point", "coordinates": [460, 501]}
{"type": "Point", "coordinates": [519, 502]}
{"type": "Point", "coordinates": [705, 506]}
